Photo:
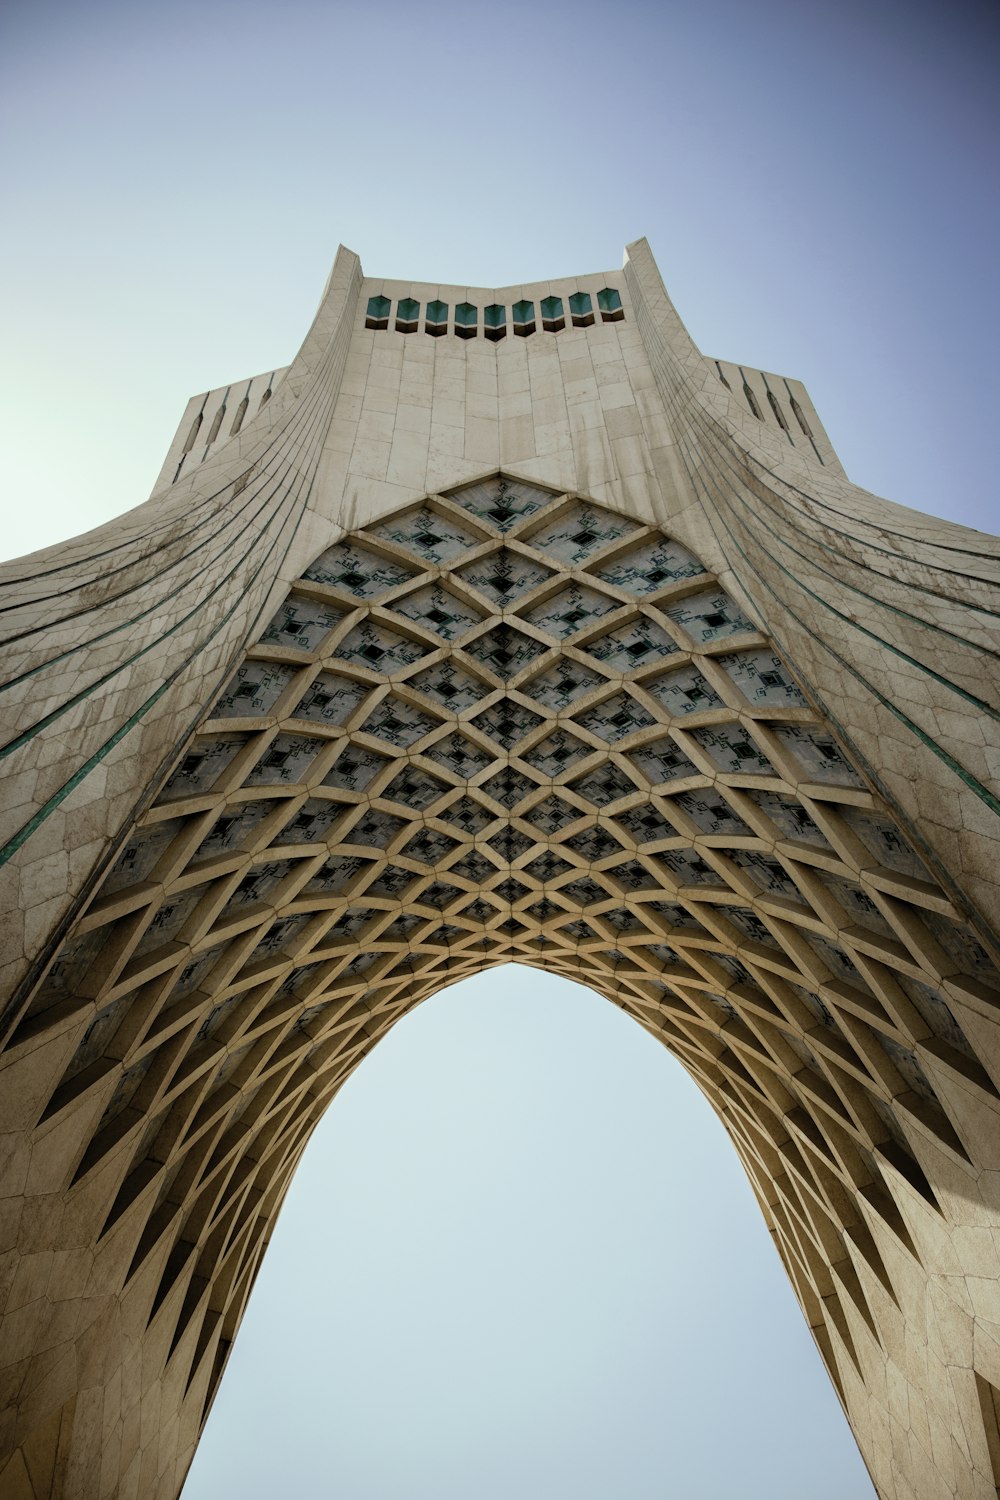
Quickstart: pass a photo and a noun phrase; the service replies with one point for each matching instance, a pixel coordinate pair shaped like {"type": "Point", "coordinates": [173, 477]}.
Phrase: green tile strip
{"type": "Point", "coordinates": [310, 418]}
{"type": "Point", "coordinates": [27, 829]}
{"type": "Point", "coordinates": [853, 563]}
{"type": "Point", "coordinates": [64, 707]}
{"type": "Point", "coordinates": [104, 635]}
{"type": "Point", "coordinates": [25, 832]}
{"type": "Point", "coordinates": [22, 739]}
{"type": "Point", "coordinates": [866, 542]}
{"type": "Point", "coordinates": [289, 436]}
{"type": "Point", "coordinates": [979, 703]}
{"type": "Point", "coordinates": [982, 792]}
{"type": "Point", "coordinates": [713, 434]}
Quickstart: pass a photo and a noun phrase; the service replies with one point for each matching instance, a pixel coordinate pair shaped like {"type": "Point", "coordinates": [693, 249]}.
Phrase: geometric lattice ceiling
{"type": "Point", "coordinates": [510, 725]}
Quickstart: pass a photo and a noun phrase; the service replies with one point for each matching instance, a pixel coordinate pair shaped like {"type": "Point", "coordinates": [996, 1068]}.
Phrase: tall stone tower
{"type": "Point", "coordinates": [501, 626]}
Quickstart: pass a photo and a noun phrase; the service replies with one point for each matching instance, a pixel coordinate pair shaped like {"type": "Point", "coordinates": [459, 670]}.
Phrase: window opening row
{"type": "Point", "coordinates": [523, 321]}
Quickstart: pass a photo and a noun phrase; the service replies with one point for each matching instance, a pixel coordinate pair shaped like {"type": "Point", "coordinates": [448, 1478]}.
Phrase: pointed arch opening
{"type": "Point", "coordinates": [519, 1250]}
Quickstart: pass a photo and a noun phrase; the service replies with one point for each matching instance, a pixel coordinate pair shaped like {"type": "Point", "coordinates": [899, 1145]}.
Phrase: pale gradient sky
{"type": "Point", "coordinates": [520, 1258]}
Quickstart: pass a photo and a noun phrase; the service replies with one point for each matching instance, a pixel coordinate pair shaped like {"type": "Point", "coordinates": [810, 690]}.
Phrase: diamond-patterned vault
{"type": "Point", "coordinates": [504, 725]}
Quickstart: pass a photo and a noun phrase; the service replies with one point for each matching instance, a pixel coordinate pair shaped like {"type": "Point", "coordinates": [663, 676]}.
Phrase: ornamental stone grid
{"type": "Point", "coordinates": [431, 654]}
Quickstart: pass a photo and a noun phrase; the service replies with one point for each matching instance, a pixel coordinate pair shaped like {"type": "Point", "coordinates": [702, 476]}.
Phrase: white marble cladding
{"type": "Point", "coordinates": [783, 406]}
{"type": "Point", "coordinates": [212, 418]}
{"type": "Point", "coordinates": [577, 409]}
{"type": "Point", "coordinates": [118, 642]}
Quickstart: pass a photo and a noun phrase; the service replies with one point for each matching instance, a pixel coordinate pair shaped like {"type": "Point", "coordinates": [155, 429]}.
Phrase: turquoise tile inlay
{"type": "Point", "coordinates": [501, 502]}
{"type": "Point", "coordinates": [650, 567]}
{"type": "Point", "coordinates": [579, 532]}
{"type": "Point", "coordinates": [502, 577]}
{"type": "Point", "coordinates": [358, 570]}
{"type": "Point", "coordinates": [438, 610]}
{"type": "Point", "coordinates": [433, 538]}
{"type": "Point", "coordinates": [762, 679]}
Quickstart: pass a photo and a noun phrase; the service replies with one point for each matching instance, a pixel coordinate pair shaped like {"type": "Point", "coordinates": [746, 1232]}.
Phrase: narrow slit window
{"type": "Point", "coordinates": [751, 399]}
{"type": "Point", "coordinates": [722, 377]}
{"type": "Point", "coordinates": [523, 314]}
{"type": "Point", "coordinates": [378, 312]}
{"type": "Point", "coordinates": [407, 315]}
{"type": "Point", "coordinates": [192, 436]}
{"type": "Point", "coordinates": [466, 320]}
{"type": "Point", "coordinates": [780, 417]}
{"type": "Point", "coordinates": [800, 417]}
{"type": "Point", "coordinates": [553, 317]}
{"type": "Point", "coordinates": [610, 302]}
{"type": "Point", "coordinates": [265, 398]}
{"type": "Point", "coordinates": [241, 412]}
{"type": "Point", "coordinates": [581, 309]}
{"type": "Point", "coordinates": [217, 420]}
{"type": "Point", "coordinates": [436, 321]}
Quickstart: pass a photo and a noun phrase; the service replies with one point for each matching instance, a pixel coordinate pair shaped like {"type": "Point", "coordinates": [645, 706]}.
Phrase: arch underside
{"type": "Point", "coordinates": [508, 725]}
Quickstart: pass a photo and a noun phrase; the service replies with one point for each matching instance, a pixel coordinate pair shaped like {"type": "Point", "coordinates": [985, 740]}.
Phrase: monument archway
{"type": "Point", "coordinates": [519, 1246]}
{"type": "Point", "coordinates": [503, 724]}
{"type": "Point", "coordinates": [502, 625]}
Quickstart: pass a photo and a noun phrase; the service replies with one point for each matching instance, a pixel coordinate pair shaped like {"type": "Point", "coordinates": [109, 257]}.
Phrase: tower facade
{"type": "Point", "coordinates": [501, 626]}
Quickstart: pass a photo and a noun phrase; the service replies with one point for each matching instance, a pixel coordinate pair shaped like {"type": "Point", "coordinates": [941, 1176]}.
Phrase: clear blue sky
{"type": "Point", "coordinates": [520, 1258]}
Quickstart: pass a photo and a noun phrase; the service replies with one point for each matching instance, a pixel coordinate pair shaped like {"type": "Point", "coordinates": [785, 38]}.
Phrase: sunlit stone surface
{"type": "Point", "coordinates": [501, 626]}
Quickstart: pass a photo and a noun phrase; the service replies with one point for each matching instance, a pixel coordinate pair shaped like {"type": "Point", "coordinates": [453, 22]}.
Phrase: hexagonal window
{"type": "Point", "coordinates": [378, 312]}
{"type": "Point", "coordinates": [398, 722]}
{"type": "Point", "coordinates": [495, 322]}
{"type": "Point", "coordinates": [553, 316]}
{"type": "Point", "coordinates": [508, 722]}
{"type": "Point", "coordinates": [466, 320]}
{"type": "Point", "coordinates": [438, 611]}
{"type": "Point", "coordinates": [683, 691]}
{"type": "Point", "coordinates": [615, 718]}
{"type": "Point", "coordinates": [633, 645]}
{"type": "Point", "coordinates": [381, 650]}
{"type": "Point", "coordinates": [570, 610]}
{"type": "Point", "coordinates": [610, 303]}
{"type": "Point", "coordinates": [523, 314]}
{"type": "Point", "coordinates": [407, 315]}
{"type": "Point", "coordinates": [650, 567]}
{"type": "Point", "coordinates": [434, 538]}
{"type": "Point", "coordinates": [436, 321]}
{"type": "Point", "coordinates": [709, 616]}
{"type": "Point", "coordinates": [581, 309]}
{"type": "Point", "coordinates": [355, 768]}
{"type": "Point", "coordinates": [762, 679]}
